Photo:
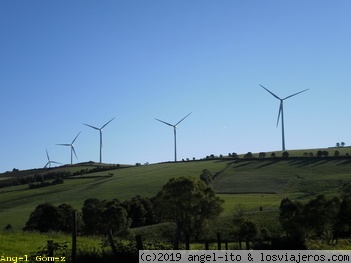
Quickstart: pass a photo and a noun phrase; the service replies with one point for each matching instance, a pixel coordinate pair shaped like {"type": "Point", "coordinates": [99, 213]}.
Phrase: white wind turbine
{"type": "Point", "coordinates": [72, 147]}
{"type": "Point", "coordinates": [175, 134]}
{"type": "Point", "coordinates": [100, 130]}
{"type": "Point", "coordinates": [49, 161]}
{"type": "Point", "coordinates": [281, 111]}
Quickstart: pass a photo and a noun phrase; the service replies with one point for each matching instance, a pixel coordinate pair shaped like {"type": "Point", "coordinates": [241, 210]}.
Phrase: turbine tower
{"type": "Point", "coordinates": [72, 147]}
{"type": "Point", "coordinates": [49, 161]}
{"type": "Point", "coordinates": [175, 134]}
{"type": "Point", "coordinates": [100, 130]}
{"type": "Point", "coordinates": [281, 111]}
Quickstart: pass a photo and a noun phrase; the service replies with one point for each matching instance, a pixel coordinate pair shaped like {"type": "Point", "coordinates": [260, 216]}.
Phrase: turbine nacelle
{"type": "Point", "coordinates": [72, 147]}
{"type": "Point", "coordinates": [175, 135]}
{"type": "Point", "coordinates": [100, 130]}
{"type": "Point", "coordinates": [49, 161]}
{"type": "Point", "coordinates": [281, 110]}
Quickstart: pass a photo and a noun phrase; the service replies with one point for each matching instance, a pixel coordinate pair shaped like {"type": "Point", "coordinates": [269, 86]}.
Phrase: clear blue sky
{"type": "Point", "coordinates": [65, 63]}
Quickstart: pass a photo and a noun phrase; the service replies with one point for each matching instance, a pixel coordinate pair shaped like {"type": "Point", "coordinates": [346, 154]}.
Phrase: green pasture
{"type": "Point", "coordinates": [257, 184]}
{"type": "Point", "coordinates": [16, 203]}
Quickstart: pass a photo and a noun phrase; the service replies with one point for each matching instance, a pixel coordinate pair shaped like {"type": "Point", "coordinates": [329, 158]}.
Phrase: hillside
{"type": "Point", "coordinates": [17, 202]}
{"type": "Point", "coordinates": [252, 182]}
{"type": "Point", "coordinates": [293, 176]}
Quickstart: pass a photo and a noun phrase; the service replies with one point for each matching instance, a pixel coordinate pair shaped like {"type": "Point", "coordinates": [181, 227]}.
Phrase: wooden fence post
{"type": "Point", "coordinates": [74, 236]}
{"type": "Point", "coordinates": [206, 245]}
{"type": "Point", "coordinates": [187, 242]}
{"type": "Point", "coordinates": [247, 244]}
{"type": "Point", "coordinates": [139, 242]}
{"type": "Point", "coordinates": [50, 245]}
{"type": "Point", "coordinates": [219, 241]}
{"type": "Point", "coordinates": [226, 245]}
{"type": "Point", "coordinates": [112, 243]}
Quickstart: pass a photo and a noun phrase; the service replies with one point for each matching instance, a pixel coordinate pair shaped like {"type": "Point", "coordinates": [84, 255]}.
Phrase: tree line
{"type": "Point", "coordinates": [38, 180]}
{"type": "Point", "coordinates": [191, 205]}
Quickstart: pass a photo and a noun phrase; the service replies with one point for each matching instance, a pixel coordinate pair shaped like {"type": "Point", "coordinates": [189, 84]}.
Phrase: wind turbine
{"type": "Point", "coordinates": [49, 161]}
{"type": "Point", "coordinates": [72, 147]}
{"type": "Point", "coordinates": [100, 130]}
{"type": "Point", "coordinates": [175, 134]}
{"type": "Point", "coordinates": [281, 111]}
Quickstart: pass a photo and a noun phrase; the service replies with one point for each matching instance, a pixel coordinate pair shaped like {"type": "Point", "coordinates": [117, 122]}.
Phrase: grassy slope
{"type": "Point", "coordinates": [254, 183]}
{"type": "Point", "coordinates": [16, 203]}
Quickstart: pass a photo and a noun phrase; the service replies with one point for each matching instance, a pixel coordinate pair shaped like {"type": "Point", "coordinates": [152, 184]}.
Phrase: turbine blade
{"type": "Point", "coordinates": [280, 111]}
{"type": "Point", "coordinates": [55, 162]}
{"type": "Point", "coordinates": [74, 151]}
{"type": "Point", "coordinates": [63, 144]}
{"type": "Point", "coordinates": [271, 92]}
{"type": "Point", "coordinates": [46, 165]}
{"type": "Point", "coordinates": [295, 94]}
{"type": "Point", "coordinates": [75, 138]}
{"type": "Point", "coordinates": [107, 123]}
{"type": "Point", "coordinates": [165, 123]}
{"type": "Point", "coordinates": [47, 155]}
{"type": "Point", "coordinates": [182, 119]}
{"type": "Point", "coordinates": [91, 126]}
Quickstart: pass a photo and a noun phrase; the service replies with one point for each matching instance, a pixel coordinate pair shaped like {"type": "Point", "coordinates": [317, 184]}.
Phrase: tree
{"type": "Point", "coordinates": [291, 218]}
{"type": "Point", "coordinates": [262, 155]}
{"type": "Point", "coordinates": [140, 211]}
{"type": "Point", "coordinates": [113, 217]}
{"type": "Point", "coordinates": [91, 211]}
{"type": "Point", "coordinates": [249, 155]}
{"type": "Point", "coordinates": [189, 203]}
{"type": "Point", "coordinates": [342, 144]}
{"type": "Point", "coordinates": [344, 215]}
{"type": "Point", "coordinates": [44, 218]}
{"type": "Point", "coordinates": [102, 216]}
{"type": "Point", "coordinates": [206, 176]}
{"type": "Point", "coordinates": [285, 154]}
{"type": "Point", "coordinates": [249, 230]}
{"type": "Point", "coordinates": [66, 217]}
{"type": "Point", "coordinates": [320, 216]}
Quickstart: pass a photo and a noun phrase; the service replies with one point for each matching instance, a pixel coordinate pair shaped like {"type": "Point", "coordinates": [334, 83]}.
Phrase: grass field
{"type": "Point", "coordinates": [17, 202]}
{"type": "Point", "coordinates": [256, 184]}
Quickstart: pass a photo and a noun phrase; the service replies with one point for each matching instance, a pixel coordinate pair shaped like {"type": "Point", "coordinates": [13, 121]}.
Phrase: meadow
{"type": "Point", "coordinates": [257, 185]}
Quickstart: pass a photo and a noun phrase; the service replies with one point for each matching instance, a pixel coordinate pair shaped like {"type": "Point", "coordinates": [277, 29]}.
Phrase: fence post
{"type": "Point", "coordinates": [139, 242]}
{"type": "Point", "coordinates": [187, 242]}
{"type": "Point", "coordinates": [219, 241]}
{"type": "Point", "coordinates": [50, 246]}
{"type": "Point", "coordinates": [74, 236]}
{"type": "Point", "coordinates": [226, 245]}
{"type": "Point", "coordinates": [206, 245]}
{"type": "Point", "coordinates": [247, 245]}
{"type": "Point", "coordinates": [112, 244]}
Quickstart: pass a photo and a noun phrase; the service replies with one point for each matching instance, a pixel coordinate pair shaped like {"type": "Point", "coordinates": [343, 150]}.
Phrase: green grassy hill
{"type": "Point", "coordinates": [17, 202]}
{"type": "Point", "coordinates": [254, 183]}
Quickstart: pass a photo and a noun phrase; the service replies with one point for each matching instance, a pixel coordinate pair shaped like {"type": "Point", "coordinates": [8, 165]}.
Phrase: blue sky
{"type": "Point", "coordinates": [65, 63]}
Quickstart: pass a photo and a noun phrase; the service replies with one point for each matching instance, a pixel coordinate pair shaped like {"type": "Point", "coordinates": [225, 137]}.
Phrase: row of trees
{"type": "Point", "coordinates": [41, 178]}
{"type": "Point", "coordinates": [96, 217]}
{"type": "Point", "coordinates": [320, 217]}
{"type": "Point", "coordinates": [186, 201]}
